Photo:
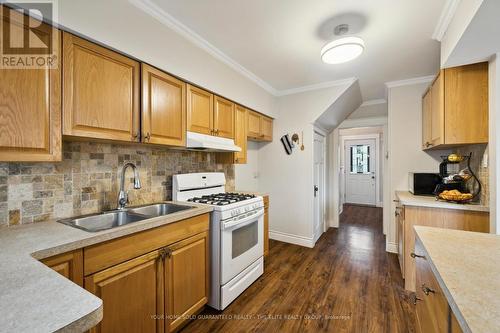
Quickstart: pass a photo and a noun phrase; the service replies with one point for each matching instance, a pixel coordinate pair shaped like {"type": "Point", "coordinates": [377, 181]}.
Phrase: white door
{"type": "Point", "coordinates": [360, 171]}
{"type": "Point", "coordinates": [319, 181]}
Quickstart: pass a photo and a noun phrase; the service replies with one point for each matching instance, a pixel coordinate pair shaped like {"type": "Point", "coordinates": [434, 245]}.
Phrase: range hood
{"type": "Point", "coordinates": [197, 141]}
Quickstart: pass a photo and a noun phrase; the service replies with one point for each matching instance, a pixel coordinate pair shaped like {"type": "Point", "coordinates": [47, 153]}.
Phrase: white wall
{"type": "Point", "coordinates": [404, 147]}
{"type": "Point", "coordinates": [289, 178]}
{"type": "Point", "coordinates": [246, 176]}
{"type": "Point", "coordinates": [369, 111]}
{"type": "Point", "coordinates": [119, 24]}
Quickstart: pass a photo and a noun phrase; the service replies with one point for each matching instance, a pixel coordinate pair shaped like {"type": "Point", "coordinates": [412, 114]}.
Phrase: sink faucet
{"type": "Point", "coordinates": [123, 195]}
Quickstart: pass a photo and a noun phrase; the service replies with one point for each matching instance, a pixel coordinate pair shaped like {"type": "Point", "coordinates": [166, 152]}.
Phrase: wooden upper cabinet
{"type": "Point", "coordinates": [200, 115]}
{"type": "Point", "coordinates": [437, 111]}
{"type": "Point", "coordinates": [186, 279]}
{"type": "Point", "coordinates": [132, 295]}
{"type": "Point", "coordinates": [223, 117]}
{"type": "Point", "coordinates": [69, 265]}
{"type": "Point", "coordinates": [267, 129]}
{"type": "Point", "coordinates": [163, 108]}
{"type": "Point", "coordinates": [426, 120]}
{"type": "Point", "coordinates": [100, 92]}
{"type": "Point", "coordinates": [458, 107]}
{"type": "Point", "coordinates": [254, 125]}
{"type": "Point", "coordinates": [240, 133]}
{"type": "Point", "coordinates": [466, 103]}
{"type": "Point", "coordinates": [30, 102]}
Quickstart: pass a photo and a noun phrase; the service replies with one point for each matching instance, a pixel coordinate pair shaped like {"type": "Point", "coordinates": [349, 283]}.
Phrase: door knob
{"type": "Point", "coordinates": [316, 189]}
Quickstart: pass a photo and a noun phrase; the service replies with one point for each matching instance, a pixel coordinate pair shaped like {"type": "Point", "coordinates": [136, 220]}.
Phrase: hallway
{"type": "Point", "coordinates": [346, 283]}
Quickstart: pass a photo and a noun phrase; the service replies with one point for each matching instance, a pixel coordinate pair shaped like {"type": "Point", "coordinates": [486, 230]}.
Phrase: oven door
{"type": "Point", "coordinates": [242, 243]}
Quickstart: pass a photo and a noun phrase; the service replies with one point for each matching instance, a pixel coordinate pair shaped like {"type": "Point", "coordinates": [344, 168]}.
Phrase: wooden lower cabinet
{"type": "Point", "coordinates": [148, 285]}
{"type": "Point", "coordinates": [266, 225]}
{"type": "Point", "coordinates": [433, 217]}
{"type": "Point", "coordinates": [186, 280]}
{"type": "Point", "coordinates": [69, 265]}
{"type": "Point", "coordinates": [432, 309]}
{"type": "Point", "coordinates": [132, 295]}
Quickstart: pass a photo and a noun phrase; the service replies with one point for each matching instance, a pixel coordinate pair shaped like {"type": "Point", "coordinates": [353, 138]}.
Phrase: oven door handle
{"type": "Point", "coordinates": [256, 214]}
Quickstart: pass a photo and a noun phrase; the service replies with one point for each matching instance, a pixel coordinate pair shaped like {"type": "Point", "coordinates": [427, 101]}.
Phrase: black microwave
{"type": "Point", "coordinates": [420, 183]}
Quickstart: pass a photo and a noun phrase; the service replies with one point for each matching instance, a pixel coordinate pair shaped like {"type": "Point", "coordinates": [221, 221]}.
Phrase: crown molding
{"type": "Point", "coordinates": [408, 82]}
{"type": "Point", "coordinates": [374, 102]}
{"type": "Point", "coordinates": [158, 13]}
{"type": "Point", "coordinates": [449, 9]}
{"type": "Point", "coordinates": [317, 86]}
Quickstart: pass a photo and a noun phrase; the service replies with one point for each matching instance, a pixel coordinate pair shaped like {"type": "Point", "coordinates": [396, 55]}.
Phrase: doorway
{"type": "Point", "coordinates": [319, 185]}
{"type": "Point", "coordinates": [360, 172]}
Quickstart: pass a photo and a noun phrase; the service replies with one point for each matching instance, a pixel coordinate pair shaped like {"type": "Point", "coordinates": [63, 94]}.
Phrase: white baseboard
{"type": "Point", "coordinates": [391, 247]}
{"type": "Point", "coordinates": [292, 239]}
{"type": "Point", "coordinates": [380, 204]}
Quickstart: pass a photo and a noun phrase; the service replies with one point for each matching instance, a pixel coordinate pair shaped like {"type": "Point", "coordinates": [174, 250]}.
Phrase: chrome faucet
{"type": "Point", "coordinates": [123, 195]}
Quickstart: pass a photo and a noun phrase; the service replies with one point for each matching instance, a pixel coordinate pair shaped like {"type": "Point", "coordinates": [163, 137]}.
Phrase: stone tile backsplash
{"type": "Point", "coordinates": [87, 180]}
{"type": "Point", "coordinates": [479, 170]}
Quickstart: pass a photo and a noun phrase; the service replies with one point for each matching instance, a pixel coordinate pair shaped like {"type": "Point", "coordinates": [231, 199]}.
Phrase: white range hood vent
{"type": "Point", "coordinates": [197, 141]}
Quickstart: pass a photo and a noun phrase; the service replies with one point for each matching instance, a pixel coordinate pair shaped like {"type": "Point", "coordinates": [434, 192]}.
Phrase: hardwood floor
{"type": "Point", "coordinates": [346, 283]}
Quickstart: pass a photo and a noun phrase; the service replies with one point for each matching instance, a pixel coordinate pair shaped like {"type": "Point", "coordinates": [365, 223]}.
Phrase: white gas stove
{"type": "Point", "coordinates": [236, 233]}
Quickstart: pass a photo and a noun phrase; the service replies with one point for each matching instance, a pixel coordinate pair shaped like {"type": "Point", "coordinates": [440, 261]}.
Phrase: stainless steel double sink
{"type": "Point", "coordinates": [116, 218]}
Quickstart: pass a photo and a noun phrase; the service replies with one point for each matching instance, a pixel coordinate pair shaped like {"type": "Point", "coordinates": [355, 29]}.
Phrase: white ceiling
{"type": "Point", "coordinates": [279, 41]}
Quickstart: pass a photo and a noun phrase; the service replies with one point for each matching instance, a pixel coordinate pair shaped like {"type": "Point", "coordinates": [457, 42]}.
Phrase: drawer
{"type": "Point", "coordinates": [104, 255]}
{"type": "Point", "coordinates": [432, 307]}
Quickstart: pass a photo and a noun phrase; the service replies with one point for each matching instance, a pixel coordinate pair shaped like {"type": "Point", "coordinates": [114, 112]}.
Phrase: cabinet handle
{"type": "Point", "coordinates": [415, 299]}
{"type": "Point", "coordinates": [428, 144]}
{"type": "Point", "coordinates": [135, 136]}
{"type": "Point", "coordinates": [216, 132]}
{"type": "Point", "coordinates": [413, 255]}
{"type": "Point", "coordinates": [427, 290]}
{"type": "Point", "coordinates": [148, 136]}
{"type": "Point", "coordinates": [165, 253]}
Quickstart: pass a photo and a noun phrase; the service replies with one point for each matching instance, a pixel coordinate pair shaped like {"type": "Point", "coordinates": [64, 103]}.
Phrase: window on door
{"type": "Point", "coordinates": [360, 159]}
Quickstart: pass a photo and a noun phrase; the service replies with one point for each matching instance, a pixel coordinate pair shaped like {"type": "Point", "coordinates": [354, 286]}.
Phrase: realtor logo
{"type": "Point", "coordinates": [26, 40]}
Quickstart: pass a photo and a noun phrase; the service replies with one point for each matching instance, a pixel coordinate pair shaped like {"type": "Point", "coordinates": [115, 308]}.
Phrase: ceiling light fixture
{"type": "Point", "coordinates": [343, 49]}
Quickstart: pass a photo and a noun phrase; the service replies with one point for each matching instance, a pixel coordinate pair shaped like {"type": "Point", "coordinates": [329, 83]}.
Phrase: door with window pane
{"type": "Point", "coordinates": [360, 171]}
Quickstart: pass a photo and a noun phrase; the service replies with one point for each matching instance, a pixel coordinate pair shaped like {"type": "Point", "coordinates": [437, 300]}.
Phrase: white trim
{"type": "Point", "coordinates": [317, 86]}
{"type": "Point", "coordinates": [168, 20]}
{"type": "Point", "coordinates": [380, 204]}
{"type": "Point", "coordinates": [449, 10]}
{"type": "Point", "coordinates": [292, 239]}
{"type": "Point", "coordinates": [407, 82]}
{"type": "Point", "coordinates": [374, 102]}
{"type": "Point", "coordinates": [391, 247]}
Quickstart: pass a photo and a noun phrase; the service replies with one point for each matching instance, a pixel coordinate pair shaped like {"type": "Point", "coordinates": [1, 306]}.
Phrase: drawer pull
{"type": "Point", "coordinates": [427, 290]}
{"type": "Point", "coordinates": [413, 255]}
{"type": "Point", "coordinates": [415, 299]}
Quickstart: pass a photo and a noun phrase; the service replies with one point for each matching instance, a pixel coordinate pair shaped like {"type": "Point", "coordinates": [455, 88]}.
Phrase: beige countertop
{"type": "Point", "coordinates": [467, 267]}
{"type": "Point", "coordinates": [33, 297]}
{"type": "Point", "coordinates": [408, 199]}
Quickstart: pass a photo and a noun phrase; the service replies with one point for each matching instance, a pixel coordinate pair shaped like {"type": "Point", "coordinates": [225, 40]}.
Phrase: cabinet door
{"type": "Point", "coordinates": [30, 103]}
{"type": "Point", "coordinates": [223, 117]}
{"type": "Point", "coordinates": [186, 277]}
{"type": "Point", "coordinates": [240, 135]}
{"type": "Point", "coordinates": [199, 110]}
{"type": "Point", "coordinates": [69, 265]}
{"type": "Point", "coordinates": [466, 101]}
{"type": "Point", "coordinates": [132, 295]}
{"type": "Point", "coordinates": [254, 125]}
{"type": "Point", "coordinates": [163, 108]}
{"type": "Point", "coordinates": [426, 120]}
{"type": "Point", "coordinates": [437, 111]}
{"type": "Point", "coordinates": [401, 238]}
{"type": "Point", "coordinates": [432, 307]}
{"type": "Point", "coordinates": [101, 92]}
{"type": "Point", "coordinates": [267, 128]}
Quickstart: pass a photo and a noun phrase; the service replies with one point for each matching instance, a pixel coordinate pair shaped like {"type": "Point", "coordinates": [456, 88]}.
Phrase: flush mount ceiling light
{"type": "Point", "coordinates": [343, 49]}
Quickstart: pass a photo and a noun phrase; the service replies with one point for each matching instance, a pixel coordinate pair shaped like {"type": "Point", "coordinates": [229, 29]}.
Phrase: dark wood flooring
{"type": "Point", "coordinates": [346, 283]}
